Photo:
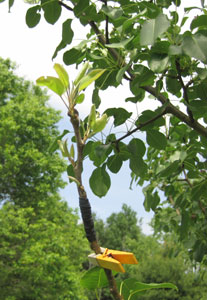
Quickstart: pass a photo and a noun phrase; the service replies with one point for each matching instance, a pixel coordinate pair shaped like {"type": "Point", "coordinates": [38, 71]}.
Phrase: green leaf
{"type": "Point", "coordinates": [152, 9]}
{"type": "Point", "coordinates": [72, 151]}
{"type": "Point", "coordinates": [140, 94]}
{"type": "Point", "coordinates": [149, 115]}
{"type": "Point", "coordinates": [173, 84]}
{"type": "Point", "coordinates": [94, 278]}
{"type": "Point", "coordinates": [120, 115]}
{"type": "Point", "coordinates": [11, 2]}
{"type": "Point", "coordinates": [136, 147]}
{"type": "Point", "coordinates": [156, 139]}
{"type": "Point", "coordinates": [168, 169]}
{"type": "Point", "coordinates": [112, 12]}
{"type": "Point", "coordinates": [98, 152]}
{"type": "Point", "coordinates": [70, 172]}
{"type": "Point", "coordinates": [52, 10]}
{"type": "Point", "coordinates": [137, 165]}
{"type": "Point", "coordinates": [120, 74]}
{"type": "Point", "coordinates": [61, 46]}
{"type": "Point", "coordinates": [72, 56]}
{"type": "Point", "coordinates": [88, 148]}
{"type": "Point", "coordinates": [81, 73]}
{"type": "Point", "coordinates": [114, 163]}
{"type": "Point", "coordinates": [152, 29]}
{"type": "Point", "coordinates": [131, 287]}
{"type": "Point", "coordinates": [92, 116]}
{"type": "Point", "coordinates": [53, 83]}
{"type": "Point", "coordinates": [80, 7]}
{"type": "Point", "coordinates": [195, 46]}
{"type": "Point", "coordinates": [90, 77]}
{"type": "Point", "coordinates": [101, 150]}
{"type": "Point", "coordinates": [63, 148]}
{"type": "Point", "coordinates": [144, 76]}
{"type": "Point", "coordinates": [120, 45]}
{"type": "Point", "coordinates": [151, 200]}
{"type": "Point", "coordinates": [32, 16]}
{"type": "Point", "coordinates": [62, 74]}
{"type": "Point", "coordinates": [160, 47]}
{"type": "Point", "coordinates": [198, 22]}
{"type": "Point", "coordinates": [80, 99]}
{"type": "Point", "coordinates": [100, 182]}
{"type": "Point", "coordinates": [199, 190]}
{"type": "Point", "coordinates": [158, 63]}
{"type": "Point", "coordinates": [95, 98]}
{"type": "Point", "coordinates": [99, 124]}
{"type": "Point", "coordinates": [67, 32]}
{"type": "Point", "coordinates": [54, 146]}
{"type": "Point", "coordinates": [175, 50]}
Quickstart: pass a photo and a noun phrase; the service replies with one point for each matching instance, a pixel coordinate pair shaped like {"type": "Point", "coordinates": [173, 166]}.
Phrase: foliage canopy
{"type": "Point", "coordinates": [161, 53]}
{"type": "Point", "coordinates": [159, 48]}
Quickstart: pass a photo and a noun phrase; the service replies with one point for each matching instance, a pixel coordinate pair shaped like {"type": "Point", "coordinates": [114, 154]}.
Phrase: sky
{"type": "Point", "coordinates": [32, 50]}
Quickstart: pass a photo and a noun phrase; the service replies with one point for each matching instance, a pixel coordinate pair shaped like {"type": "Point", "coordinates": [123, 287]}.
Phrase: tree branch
{"type": "Point", "coordinates": [140, 126]}
{"type": "Point", "coordinates": [176, 112]}
{"type": "Point", "coordinates": [65, 5]}
{"type": "Point", "coordinates": [84, 203]}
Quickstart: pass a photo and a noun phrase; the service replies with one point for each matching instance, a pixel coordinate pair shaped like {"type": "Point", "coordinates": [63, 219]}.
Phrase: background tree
{"type": "Point", "coordinates": [40, 237]}
{"type": "Point", "coordinates": [29, 173]}
{"type": "Point", "coordinates": [118, 228]}
{"type": "Point", "coordinates": [159, 260]}
{"type": "Point", "coordinates": [38, 252]}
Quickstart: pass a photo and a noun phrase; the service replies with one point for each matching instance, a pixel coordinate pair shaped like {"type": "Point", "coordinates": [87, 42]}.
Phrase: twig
{"type": "Point", "coordinates": [107, 25]}
{"type": "Point", "coordinates": [173, 204]}
{"type": "Point", "coordinates": [140, 126]}
{"type": "Point", "coordinates": [65, 5]}
{"type": "Point", "coordinates": [186, 178]}
{"type": "Point", "coordinates": [185, 90]}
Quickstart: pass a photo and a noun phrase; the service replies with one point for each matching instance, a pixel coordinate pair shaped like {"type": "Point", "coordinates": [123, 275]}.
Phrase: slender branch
{"type": "Point", "coordinates": [85, 205]}
{"type": "Point", "coordinates": [186, 178]}
{"type": "Point", "coordinates": [185, 90]}
{"type": "Point", "coordinates": [65, 5]}
{"type": "Point", "coordinates": [106, 26]}
{"type": "Point", "coordinates": [173, 204]}
{"type": "Point", "coordinates": [140, 126]}
{"type": "Point", "coordinates": [190, 82]}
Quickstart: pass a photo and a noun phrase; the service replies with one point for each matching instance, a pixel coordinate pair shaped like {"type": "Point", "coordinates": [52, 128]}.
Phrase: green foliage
{"type": "Point", "coordinates": [38, 252]}
{"type": "Point", "coordinates": [28, 128]}
{"type": "Point", "coordinates": [158, 262]}
{"type": "Point", "coordinates": [130, 288]}
{"type": "Point", "coordinates": [40, 237]}
{"type": "Point", "coordinates": [119, 227]}
{"type": "Point", "coordinates": [161, 53]}
{"type": "Point", "coordinates": [94, 278]}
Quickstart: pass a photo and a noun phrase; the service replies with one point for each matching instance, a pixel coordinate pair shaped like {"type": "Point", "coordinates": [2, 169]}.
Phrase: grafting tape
{"type": "Point", "coordinates": [86, 214]}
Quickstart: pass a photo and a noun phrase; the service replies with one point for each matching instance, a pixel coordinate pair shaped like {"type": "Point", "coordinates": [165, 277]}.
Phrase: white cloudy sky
{"type": "Point", "coordinates": [32, 49]}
